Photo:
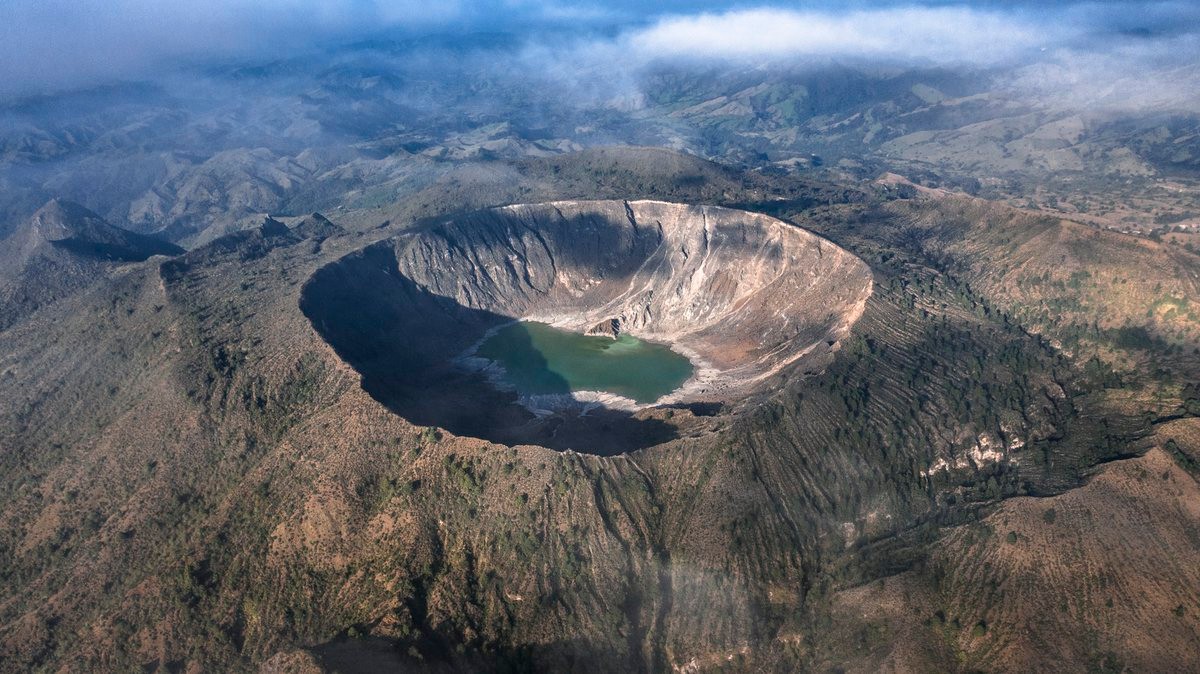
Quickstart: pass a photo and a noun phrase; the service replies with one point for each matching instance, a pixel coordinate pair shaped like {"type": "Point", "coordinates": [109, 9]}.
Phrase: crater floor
{"type": "Point", "coordinates": [544, 363]}
{"type": "Point", "coordinates": [747, 298]}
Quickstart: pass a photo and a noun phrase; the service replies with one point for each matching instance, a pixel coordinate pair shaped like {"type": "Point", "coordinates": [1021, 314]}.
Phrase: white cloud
{"type": "Point", "coordinates": [1124, 78]}
{"type": "Point", "coordinates": [946, 34]}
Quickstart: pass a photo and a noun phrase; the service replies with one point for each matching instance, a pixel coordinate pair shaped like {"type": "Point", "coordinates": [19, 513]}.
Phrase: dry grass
{"type": "Point", "coordinates": [1104, 576]}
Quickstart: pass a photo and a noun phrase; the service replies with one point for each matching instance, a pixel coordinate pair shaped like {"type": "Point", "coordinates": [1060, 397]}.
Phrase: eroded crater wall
{"type": "Point", "coordinates": [744, 296]}
{"type": "Point", "coordinates": [743, 293]}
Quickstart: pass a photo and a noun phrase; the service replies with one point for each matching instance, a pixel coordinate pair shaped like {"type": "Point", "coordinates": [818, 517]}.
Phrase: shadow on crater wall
{"type": "Point", "coordinates": [402, 339]}
{"type": "Point", "coordinates": [372, 654]}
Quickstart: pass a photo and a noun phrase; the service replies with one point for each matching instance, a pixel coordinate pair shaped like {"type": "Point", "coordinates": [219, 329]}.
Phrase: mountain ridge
{"type": "Point", "coordinates": [61, 249]}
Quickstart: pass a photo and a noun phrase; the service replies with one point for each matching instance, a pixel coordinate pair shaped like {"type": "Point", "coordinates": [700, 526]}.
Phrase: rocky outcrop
{"type": "Point", "coordinates": [316, 226]}
{"type": "Point", "coordinates": [272, 227]}
{"type": "Point", "coordinates": [608, 328]}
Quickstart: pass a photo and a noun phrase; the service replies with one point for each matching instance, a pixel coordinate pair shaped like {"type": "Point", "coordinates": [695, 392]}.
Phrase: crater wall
{"type": "Point", "coordinates": [745, 296]}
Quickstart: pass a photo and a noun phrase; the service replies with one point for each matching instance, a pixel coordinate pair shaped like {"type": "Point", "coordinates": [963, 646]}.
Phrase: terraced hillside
{"type": "Point", "coordinates": [1100, 293]}
{"type": "Point", "coordinates": [1099, 578]}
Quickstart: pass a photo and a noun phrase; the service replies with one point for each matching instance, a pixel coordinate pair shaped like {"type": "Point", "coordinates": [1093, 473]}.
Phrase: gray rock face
{"type": "Point", "coordinates": [609, 328]}
{"type": "Point", "coordinates": [742, 294]}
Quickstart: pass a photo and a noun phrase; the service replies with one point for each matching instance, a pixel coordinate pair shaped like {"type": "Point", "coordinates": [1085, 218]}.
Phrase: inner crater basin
{"type": "Point", "coordinates": [541, 361]}
{"type": "Point", "coordinates": [744, 300]}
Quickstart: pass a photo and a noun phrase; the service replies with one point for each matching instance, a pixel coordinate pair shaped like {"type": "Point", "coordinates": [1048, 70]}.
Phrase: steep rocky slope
{"type": "Point", "coordinates": [744, 294]}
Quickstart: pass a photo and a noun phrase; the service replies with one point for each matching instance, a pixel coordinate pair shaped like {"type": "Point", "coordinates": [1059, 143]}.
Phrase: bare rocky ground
{"type": "Point", "coordinates": [194, 479]}
{"type": "Point", "coordinates": [1108, 569]}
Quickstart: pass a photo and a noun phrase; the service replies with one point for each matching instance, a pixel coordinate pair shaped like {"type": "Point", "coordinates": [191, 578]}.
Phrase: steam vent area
{"type": "Point", "coordinates": [497, 324]}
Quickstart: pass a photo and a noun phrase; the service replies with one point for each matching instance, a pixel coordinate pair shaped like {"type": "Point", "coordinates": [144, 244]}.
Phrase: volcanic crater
{"type": "Point", "coordinates": [747, 298]}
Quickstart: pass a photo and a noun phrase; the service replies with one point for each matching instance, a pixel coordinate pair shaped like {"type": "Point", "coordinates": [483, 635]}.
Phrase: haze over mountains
{"type": "Point", "coordinates": [935, 267]}
{"type": "Point", "coordinates": [300, 131]}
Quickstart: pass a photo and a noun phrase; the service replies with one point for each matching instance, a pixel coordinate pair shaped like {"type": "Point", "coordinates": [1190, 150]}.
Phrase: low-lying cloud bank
{"type": "Point", "coordinates": [1132, 76]}
{"type": "Point", "coordinates": [1110, 57]}
{"type": "Point", "coordinates": [933, 34]}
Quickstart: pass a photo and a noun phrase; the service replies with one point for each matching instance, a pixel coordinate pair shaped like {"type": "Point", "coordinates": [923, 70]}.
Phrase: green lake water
{"type": "Point", "coordinates": [540, 359]}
